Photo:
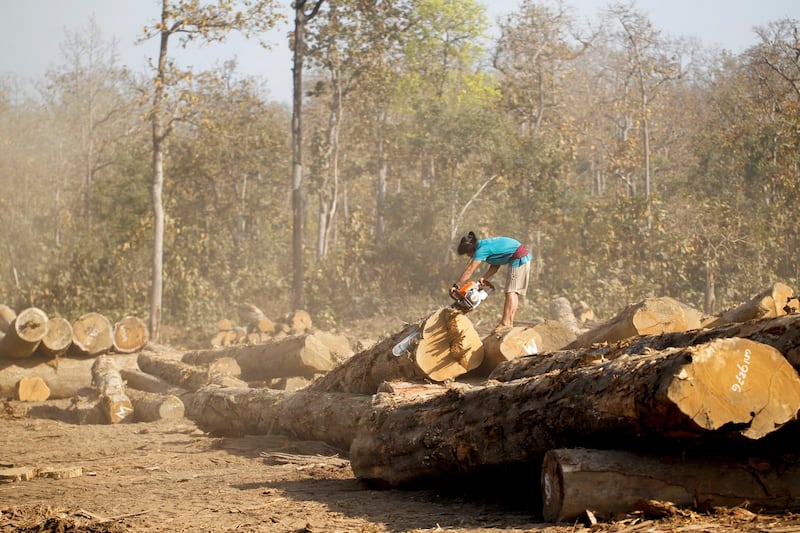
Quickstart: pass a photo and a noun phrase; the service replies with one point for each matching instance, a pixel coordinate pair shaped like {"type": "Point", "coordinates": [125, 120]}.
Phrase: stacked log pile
{"type": "Point", "coordinates": [658, 403]}
{"type": "Point", "coordinates": [43, 357]}
{"type": "Point", "coordinates": [254, 327]}
{"type": "Point", "coordinates": [659, 378]}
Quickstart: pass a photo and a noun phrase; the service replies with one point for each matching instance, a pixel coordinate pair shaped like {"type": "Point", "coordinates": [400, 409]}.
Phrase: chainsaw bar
{"type": "Point", "coordinates": [403, 346]}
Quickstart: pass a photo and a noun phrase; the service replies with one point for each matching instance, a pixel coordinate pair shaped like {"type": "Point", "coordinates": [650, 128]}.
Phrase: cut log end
{"type": "Point", "coordinates": [450, 346]}
{"type": "Point", "coordinates": [735, 380]}
{"type": "Point", "coordinates": [130, 335]}
{"type": "Point", "coordinates": [32, 389]}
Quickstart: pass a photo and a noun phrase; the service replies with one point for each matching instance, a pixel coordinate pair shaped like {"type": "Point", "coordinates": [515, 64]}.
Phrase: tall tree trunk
{"type": "Point", "coordinates": [298, 214]}
{"type": "Point", "coordinates": [158, 135]}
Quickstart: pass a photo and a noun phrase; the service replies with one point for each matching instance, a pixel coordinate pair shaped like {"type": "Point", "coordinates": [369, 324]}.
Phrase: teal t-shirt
{"type": "Point", "coordinates": [499, 251]}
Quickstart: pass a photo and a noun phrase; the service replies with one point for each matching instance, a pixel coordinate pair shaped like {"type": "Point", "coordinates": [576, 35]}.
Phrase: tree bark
{"type": "Point", "coordinates": [115, 403]}
{"type": "Point", "coordinates": [297, 356]}
{"type": "Point", "coordinates": [58, 338]}
{"type": "Point", "coordinates": [782, 333]}
{"type": "Point", "coordinates": [607, 482]}
{"type": "Point", "coordinates": [441, 347]}
{"type": "Point", "coordinates": [24, 334]}
{"type": "Point", "coordinates": [130, 335]}
{"type": "Point", "coordinates": [92, 335]}
{"type": "Point", "coordinates": [728, 389]}
{"type": "Point", "coordinates": [186, 376]}
{"type": "Point", "coordinates": [648, 317]}
{"type": "Point", "coordinates": [327, 417]}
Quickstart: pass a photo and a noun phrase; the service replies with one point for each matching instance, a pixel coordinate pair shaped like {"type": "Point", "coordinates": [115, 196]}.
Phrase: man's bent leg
{"type": "Point", "coordinates": [510, 309]}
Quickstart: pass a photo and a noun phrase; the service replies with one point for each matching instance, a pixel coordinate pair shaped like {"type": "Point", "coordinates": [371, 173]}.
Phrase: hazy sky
{"type": "Point", "coordinates": [32, 31]}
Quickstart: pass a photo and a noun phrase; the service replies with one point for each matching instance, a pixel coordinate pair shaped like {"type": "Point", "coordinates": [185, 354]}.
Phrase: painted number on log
{"type": "Point", "coordinates": [741, 376]}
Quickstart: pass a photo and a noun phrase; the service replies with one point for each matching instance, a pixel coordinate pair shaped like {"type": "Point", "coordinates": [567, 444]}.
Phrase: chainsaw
{"type": "Point", "coordinates": [470, 295]}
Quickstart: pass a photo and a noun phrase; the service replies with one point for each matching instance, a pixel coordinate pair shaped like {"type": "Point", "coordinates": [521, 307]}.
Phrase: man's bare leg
{"type": "Point", "coordinates": [510, 309]}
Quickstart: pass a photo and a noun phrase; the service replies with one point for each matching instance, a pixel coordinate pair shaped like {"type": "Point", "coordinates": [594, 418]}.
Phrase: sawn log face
{"type": "Point", "coordinates": [684, 394]}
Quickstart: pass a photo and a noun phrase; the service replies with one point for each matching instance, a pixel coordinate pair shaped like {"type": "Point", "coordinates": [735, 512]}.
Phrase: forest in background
{"type": "Point", "coordinates": [633, 164]}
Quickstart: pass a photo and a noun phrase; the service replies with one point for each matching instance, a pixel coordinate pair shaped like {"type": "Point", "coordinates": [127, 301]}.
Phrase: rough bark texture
{"type": "Point", "coordinates": [24, 334]}
{"type": "Point", "coordinates": [92, 335]}
{"type": "Point", "coordinates": [58, 338]}
{"type": "Point", "coordinates": [686, 395]}
{"type": "Point", "coordinates": [301, 355]}
{"type": "Point", "coordinates": [130, 335]}
{"type": "Point", "coordinates": [561, 311]}
{"type": "Point", "coordinates": [440, 347]}
{"type": "Point", "coordinates": [613, 481]}
{"type": "Point", "coordinates": [782, 333]}
{"type": "Point", "coordinates": [327, 417]}
{"type": "Point", "coordinates": [115, 403]}
{"type": "Point", "coordinates": [648, 317]}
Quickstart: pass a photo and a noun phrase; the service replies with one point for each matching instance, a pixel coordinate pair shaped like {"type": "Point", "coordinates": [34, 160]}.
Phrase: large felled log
{"type": "Point", "coordinates": [648, 317]}
{"type": "Point", "coordinates": [442, 346]}
{"type": "Point", "coordinates": [186, 376]}
{"type": "Point", "coordinates": [327, 417]}
{"type": "Point", "coordinates": [92, 335]}
{"type": "Point", "coordinates": [607, 482]}
{"type": "Point", "coordinates": [726, 389]}
{"type": "Point", "coordinates": [300, 355]}
{"type": "Point", "coordinates": [782, 333]}
{"type": "Point", "coordinates": [57, 339]}
{"type": "Point", "coordinates": [24, 334]}
{"type": "Point", "coordinates": [115, 403]}
{"type": "Point", "coordinates": [772, 302]}
{"type": "Point", "coordinates": [130, 335]}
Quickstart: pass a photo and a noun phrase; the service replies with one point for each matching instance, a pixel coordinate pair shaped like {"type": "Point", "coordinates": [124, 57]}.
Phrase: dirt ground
{"type": "Point", "coordinates": [170, 476]}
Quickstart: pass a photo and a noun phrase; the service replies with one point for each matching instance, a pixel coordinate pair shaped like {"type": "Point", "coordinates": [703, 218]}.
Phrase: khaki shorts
{"type": "Point", "coordinates": [517, 278]}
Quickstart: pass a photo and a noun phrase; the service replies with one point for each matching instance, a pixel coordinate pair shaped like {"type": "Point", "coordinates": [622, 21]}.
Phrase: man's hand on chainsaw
{"type": "Point", "coordinates": [454, 291]}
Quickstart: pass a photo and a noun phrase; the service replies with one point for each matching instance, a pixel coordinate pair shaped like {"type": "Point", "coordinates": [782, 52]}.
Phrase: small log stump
{"type": "Point", "coordinates": [92, 335]}
{"type": "Point", "coordinates": [24, 334]}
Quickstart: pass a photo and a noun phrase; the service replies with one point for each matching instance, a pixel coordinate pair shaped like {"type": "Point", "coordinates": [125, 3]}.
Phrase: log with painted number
{"type": "Point", "coordinates": [733, 390]}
